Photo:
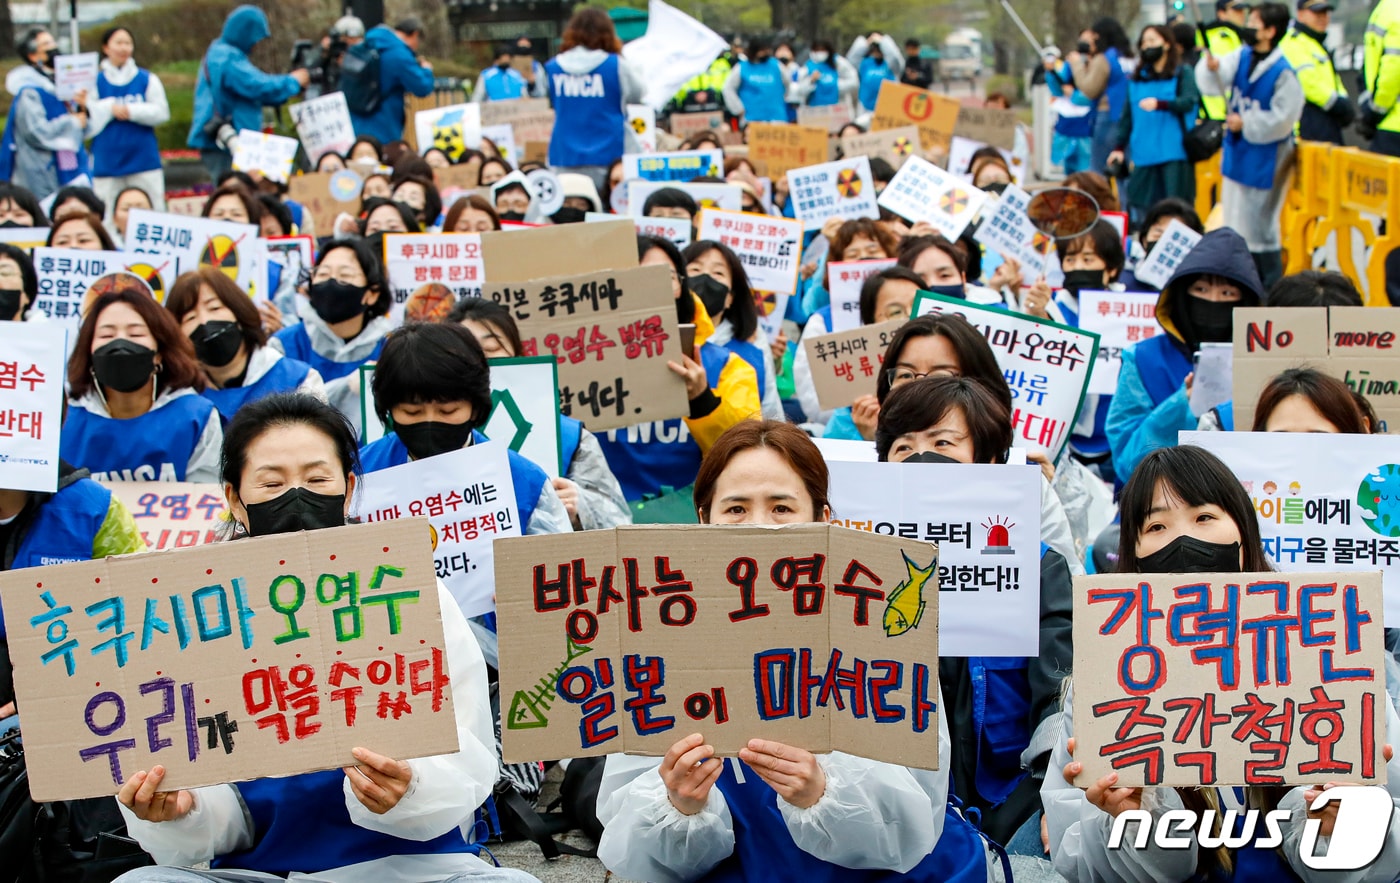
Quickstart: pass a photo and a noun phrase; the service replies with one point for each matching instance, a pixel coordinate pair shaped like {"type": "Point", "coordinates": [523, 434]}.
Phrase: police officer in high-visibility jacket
{"type": "Point", "coordinates": [1379, 118]}
{"type": "Point", "coordinates": [1222, 37]}
{"type": "Point", "coordinates": [1328, 110]}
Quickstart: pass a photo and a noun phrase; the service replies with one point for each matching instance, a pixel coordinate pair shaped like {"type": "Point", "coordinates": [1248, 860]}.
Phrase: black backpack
{"type": "Point", "coordinates": [359, 79]}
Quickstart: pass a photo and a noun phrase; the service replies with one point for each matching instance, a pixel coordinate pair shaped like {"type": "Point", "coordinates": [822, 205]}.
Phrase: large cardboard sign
{"type": "Point", "coordinates": [323, 125]}
{"type": "Point", "coordinates": [847, 365]}
{"type": "Point", "coordinates": [893, 145]}
{"type": "Point", "coordinates": [31, 404]}
{"type": "Point", "coordinates": [830, 117]}
{"type": "Point", "coordinates": [769, 248]}
{"type": "Point", "coordinates": [845, 279]}
{"type": "Point", "coordinates": [989, 125]}
{"type": "Point", "coordinates": [199, 242]}
{"type": "Point", "coordinates": [627, 640]}
{"type": "Point", "coordinates": [1046, 365]}
{"type": "Point", "coordinates": [173, 515]}
{"type": "Point", "coordinates": [844, 189]}
{"type": "Point", "coordinates": [612, 333]}
{"type": "Point", "coordinates": [1121, 319]}
{"type": "Point", "coordinates": [986, 522]}
{"type": "Point", "coordinates": [469, 500]}
{"type": "Point", "coordinates": [517, 255]}
{"type": "Point", "coordinates": [326, 195]}
{"type": "Point", "coordinates": [681, 165]}
{"type": "Point", "coordinates": [261, 657]}
{"type": "Point", "coordinates": [921, 191]}
{"type": "Point", "coordinates": [1325, 501]}
{"type": "Point", "coordinates": [935, 116]}
{"type": "Point", "coordinates": [531, 119]}
{"type": "Point", "coordinates": [417, 262]}
{"type": "Point", "coordinates": [784, 146]}
{"type": "Point", "coordinates": [1359, 347]}
{"type": "Point", "coordinates": [1229, 679]}
{"type": "Point", "coordinates": [683, 125]}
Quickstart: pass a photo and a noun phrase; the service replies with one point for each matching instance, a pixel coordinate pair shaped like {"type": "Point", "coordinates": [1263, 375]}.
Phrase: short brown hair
{"type": "Point", "coordinates": [1331, 397]}
{"type": "Point", "coordinates": [184, 297]}
{"type": "Point", "coordinates": [848, 231]}
{"type": "Point", "coordinates": [914, 407]}
{"type": "Point", "coordinates": [93, 221]}
{"type": "Point", "coordinates": [792, 443]}
{"type": "Point", "coordinates": [179, 368]}
{"type": "Point", "coordinates": [472, 200]}
{"type": "Point", "coordinates": [233, 188]}
{"type": "Point", "coordinates": [590, 28]}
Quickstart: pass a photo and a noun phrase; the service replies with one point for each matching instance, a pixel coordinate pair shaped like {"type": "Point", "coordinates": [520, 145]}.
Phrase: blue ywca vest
{"type": "Point", "coordinates": [123, 147]}
{"type": "Point", "coordinates": [1252, 165]}
{"type": "Point", "coordinates": [762, 90]}
{"type": "Point", "coordinates": [570, 435]}
{"type": "Point", "coordinates": [590, 115]}
{"type": "Point", "coordinates": [1162, 366]}
{"type": "Point", "coordinates": [662, 454]}
{"type": "Point", "coordinates": [1117, 90]}
{"type": "Point", "coordinates": [63, 529]}
{"type": "Point", "coordinates": [872, 74]}
{"type": "Point", "coordinates": [503, 85]}
{"type": "Point", "coordinates": [67, 165]}
{"type": "Point", "coordinates": [764, 849]}
{"type": "Point", "coordinates": [153, 447]}
{"type": "Point", "coordinates": [754, 356]}
{"type": "Point", "coordinates": [825, 91]}
{"type": "Point", "coordinates": [527, 478]}
{"type": "Point", "coordinates": [285, 375]}
{"type": "Point", "coordinates": [1226, 415]}
{"type": "Point", "coordinates": [296, 344]}
{"type": "Point", "coordinates": [301, 823]}
{"type": "Point", "coordinates": [1157, 134]}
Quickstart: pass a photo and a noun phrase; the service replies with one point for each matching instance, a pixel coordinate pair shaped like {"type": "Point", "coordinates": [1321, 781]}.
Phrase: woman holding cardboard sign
{"type": "Point", "coordinates": [288, 465]}
{"type": "Point", "coordinates": [777, 811]}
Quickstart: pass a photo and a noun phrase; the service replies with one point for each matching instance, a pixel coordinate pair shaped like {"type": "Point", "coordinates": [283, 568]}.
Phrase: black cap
{"type": "Point", "coordinates": [1315, 5]}
{"type": "Point", "coordinates": [1231, 4]}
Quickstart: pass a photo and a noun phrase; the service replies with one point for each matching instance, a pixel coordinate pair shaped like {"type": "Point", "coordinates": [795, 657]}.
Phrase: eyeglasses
{"type": "Point", "coordinates": [896, 376]}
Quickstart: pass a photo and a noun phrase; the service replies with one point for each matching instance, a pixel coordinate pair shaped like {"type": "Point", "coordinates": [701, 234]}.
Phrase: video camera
{"type": "Point", "coordinates": [322, 64]}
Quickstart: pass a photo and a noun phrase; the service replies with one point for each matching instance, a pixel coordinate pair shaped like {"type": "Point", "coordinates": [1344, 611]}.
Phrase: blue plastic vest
{"type": "Point", "coordinates": [825, 91]}
{"type": "Point", "coordinates": [754, 356]}
{"type": "Point", "coordinates": [301, 823]}
{"type": "Point", "coordinates": [63, 529]}
{"type": "Point", "coordinates": [296, 344]}
{"type": "Point", "coordinates": [527, 478]}
{"type": "Point", "coordinates": [1226, 415]}
{"type": "Point", "coordinates": [1252, 864]}
{"type": "Point", "coordinates": [590, 114]}
{"type": "Point", "coordinates": [503, 85]}
{"type": "Point", "coordinates": [661, 454]}
{"type": "Point", "coordinates": [1095, 442]}
{"type": "Point", "coordinates": [1162, 367]}
{"type": "Point", "coordinates": [762, 89]}
{"type": "Point", "coordinates": [1157, 134]}
{"type": "Point", "coordinates": [872, 74]}
{"type": "Point", "coordinates": [1070, 127]}
{"type": "Point", "coordinates": [153, 447]}
{"type": "Point", "coordinates": [570, 435]}
{"type": "Point", "coordinates": [123, 147]}
{"type": "Point", "coordinates": [285, 375]}
{"type": "Point", "coordinates": [54, 109]}
{"type": "Point", "coordinates": [1117, 90]}
{"type": "Point", "coordinates": [764, 850]}
{"type": "Point", "coordinates": [1252, 165]}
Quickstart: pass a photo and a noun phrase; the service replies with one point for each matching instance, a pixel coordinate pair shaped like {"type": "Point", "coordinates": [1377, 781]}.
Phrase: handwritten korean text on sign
{"type": "Point", "coordinates": [31, 404]}
{"type": "Point", "coordinates": [173, 515]}
{"type": "Point", "coordinates": [769, 248]}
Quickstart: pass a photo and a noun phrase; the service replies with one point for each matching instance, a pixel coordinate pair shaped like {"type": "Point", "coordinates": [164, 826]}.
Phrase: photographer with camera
{"type": "Point", "coordinates": [376, 74]}
{"type": "Point", "coordinates": [324, 63]}
{"type": "Point", "coordinates": [230, 91]}
{"type": "Point", "coordinates": [42, 148]}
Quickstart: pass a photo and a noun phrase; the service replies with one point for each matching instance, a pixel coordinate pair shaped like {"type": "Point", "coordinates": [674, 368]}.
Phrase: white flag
{"type": "Point", "coordinates": [674, 49]}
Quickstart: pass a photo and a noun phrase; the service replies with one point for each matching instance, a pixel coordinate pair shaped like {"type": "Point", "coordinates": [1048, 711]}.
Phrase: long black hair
{"type": "Point", "coordinates": [285, 409]}
{"type": "Point", "coordinates": [975, 357]}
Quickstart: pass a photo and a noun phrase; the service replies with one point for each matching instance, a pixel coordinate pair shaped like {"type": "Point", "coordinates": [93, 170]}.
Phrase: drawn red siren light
{"type": "Point", "coordinates": [999, 536]}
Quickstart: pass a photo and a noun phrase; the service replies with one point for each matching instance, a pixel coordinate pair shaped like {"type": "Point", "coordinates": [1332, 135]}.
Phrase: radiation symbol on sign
{"type": "Point", "coordinates": [1041, 243]}
{"type": "Point", "coordinates": [954, 202]}
{"type": "Point", "coordinates": [435, 535]}
{"type": "Point", "coordinates": [848, 183]}
{"type": "Point", "coordinates": [903, 146]}
{"type": "Point", "coordinates": [151, 276]}
{"type": "Point", "coordinates": [710, 203]}
{"type": "Point", "coordinates": [221, 252]}
{"type": "Point", "coordinates": [766, 302]}
{"type": "Point", "coordinates": [639, 125]}
{"type": "Point", "coordinates": [447, 134]}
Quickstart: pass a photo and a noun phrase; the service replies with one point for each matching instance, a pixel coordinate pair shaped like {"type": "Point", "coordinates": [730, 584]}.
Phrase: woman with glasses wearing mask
{"type": "Point", "coordinates": [344, 320]}
{"type": "Point", "coordinates": [134, 412]}
{"type": "Point", "coordinates": [886, 296]}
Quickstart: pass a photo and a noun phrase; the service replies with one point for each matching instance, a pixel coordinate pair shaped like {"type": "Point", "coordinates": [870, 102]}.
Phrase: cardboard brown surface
{"type": "Point", "coordinates": [687, 624]}
{"type": "Point", "coordinates": [463, 176]}
{"type": "Point", "coordinates": [237, 680]}
{"type": "Point", "coordinates": [990, 125]}
{"type": "Point", "coordinates": [412, 104]}
{"type": "Point", "coordinates": [683, 125]}
{"type": "Point", "coordinates": [936, 116]}
{"type": "Point", "coordinates": [173, 515]}
{"type": "Point", "coordinates": [830, 117]}
{"type": "Point", "coordinates": [847, 365]}
{"type": "Point", "coordinates": [1233, 740]}
{"type": "Point", "coordinates": [531, 119]}
{"type": "Point", "coordinates": [536, 151]}
{"type": "Point", "coordinates": [892, 145]}
{"type": "Point", "coordinates": [313, 192]}
{"type": "Point", "coordinates": [612, 350]}
{"type": "Point", "coordinates": [783, 146]}
{"type": "Point", "coordinates": [562, 250]}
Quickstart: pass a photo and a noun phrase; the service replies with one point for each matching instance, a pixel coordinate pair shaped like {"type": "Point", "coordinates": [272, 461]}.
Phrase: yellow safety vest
{"type": "Point", "coordinates": [1223, 40]}
{"type": "Point", "coordinates": [1382, 73]}
{"type": "Point", "coordinates": [1316, 73]}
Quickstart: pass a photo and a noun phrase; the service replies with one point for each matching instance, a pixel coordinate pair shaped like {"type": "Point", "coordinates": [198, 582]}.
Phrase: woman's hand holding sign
{"type": "Point", "coordinates": [379, 782]}
{"type": "Point", "coordinates": [139, 795]}
{"type": "Point", "coordinates": [688, 773]}
{"type": "Point", "coordinates": [793, 772]}
{"type": "Point", "coordinates": [1102, 793]}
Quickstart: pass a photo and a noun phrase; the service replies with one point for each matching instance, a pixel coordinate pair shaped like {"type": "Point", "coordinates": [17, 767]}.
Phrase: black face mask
{"type": "Point", "coordinates": [1083, 280]}
{"type": "Point", "coordinates": [929, 457]}
{"type": "Point", "coordinates": [123, 365]}
{"type": "Point", "coordinates": [711, 292]}
{"type": "Point", "coordinates": [428, 438]}
{"type": "Point", "coordinates": [1249, 36]}
{"type": "Point", "coordinates": [336, 302]}
{"type": "Point", "coordinates": [996, 188]}
{"type": "Point", "coordinates": [48, 57]}
{"type": "Point", "coordinates": [10, 223]}
{"type": "Point", "coordinates": [1153, 54]}
{"type": "Point", "coordinates": [1186, 554]}
{"type": "Point", "coordinates": [568, 215]}
{"type": "Point", "coordinates": [505, 65]}
{"type": "Point", "coordinates": [9, 303]}
{"type": "Point", "coordinates": [1085, 47]}
{"type": "Point", "coordinates": [297, 509]}
{"type": "Point", "coordinates": [512, 216]}
{"type": "Point", "coordinates": [1212, 320]}
{"type": "Point", "coordinates": [216, 343]}
{"type": "Point", "coordinates": [959, 290]}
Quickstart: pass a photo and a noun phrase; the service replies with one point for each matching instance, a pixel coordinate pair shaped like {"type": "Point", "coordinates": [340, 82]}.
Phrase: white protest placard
{"type": "Point", "coordinates": [1121, 319]}
{"type": "Point", "coordinates": [844, 280]}
{"type": "Point", "coordinates": [469, 501]}
{"type": "Point", "coordinates": [200, 242]}
{"type": "Point", "coordinates": [1161, 262]}
{"type": "Point", "coordinates": [1007, 230]}
{"type": "Point", "coordinates": [24, 237]}
{"type": "Point", "coordinates": [1046, 365]}
{"type": "Point", "coordinates": [453, 129]}
{"type": "Point", "coordinates": [1325, 501]}
{"type": "Point", "coordinates": [960, 158]}
{"type": "Point", "coordinates": [66, 274]}
{"type": "Point", "coordinates": [683, 165]}
{"type": "Point", "coordinates": [270, 155]}
{"type": "Point", "coordinates": [641, 120]}
{"type": "Point", "coordinates": [772, 309]}
{"type": "Point", "coordinates": [294, 254]}
{"type": "Point", "coordinates": [769, 248]}
{"type": "Point", "coordinates": [921, 191]}
{"type": "Point", "coordinates": [32, 357]}
{"type": "Point", "coordinates": [844, 189]}
{"type": "Point", "coordinates": [676, 230]}
{"type": "Point", "coordinates": [174, 514]}
{"type": "Point", "coordinates": [323, 125]}
{"type": "Point", "coordinates": [986, 521]}
{"type": "Point", "coordinates": [724, 196]}
{"type": "Point", "coordinates": [75, 73]}
{"type": "Point", "coordinates": [503, 136]}
{"type": "Point", "coordinates": [414, 261]}
{"type": "Point", "coordinates": [1212, 383]}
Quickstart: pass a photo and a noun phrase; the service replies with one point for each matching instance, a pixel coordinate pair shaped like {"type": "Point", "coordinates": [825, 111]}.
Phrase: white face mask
{"type": "Point", "coordinates": [819, 57]}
